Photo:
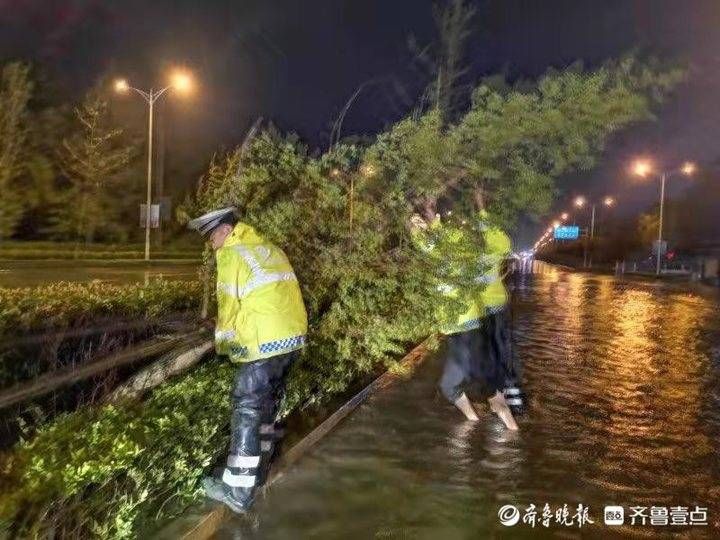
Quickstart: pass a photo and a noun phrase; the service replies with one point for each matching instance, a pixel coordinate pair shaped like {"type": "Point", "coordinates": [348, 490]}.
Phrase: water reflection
{"type": "Point", "coordinates": [624, 394]}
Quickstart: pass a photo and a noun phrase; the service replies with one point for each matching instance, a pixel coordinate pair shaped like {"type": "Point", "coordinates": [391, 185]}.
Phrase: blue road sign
{"type": "Point", "coordinates": [567, 232]}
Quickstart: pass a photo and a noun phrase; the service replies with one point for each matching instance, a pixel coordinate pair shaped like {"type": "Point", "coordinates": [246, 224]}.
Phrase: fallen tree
{"type": "Point", "coordinates": [113, 471]}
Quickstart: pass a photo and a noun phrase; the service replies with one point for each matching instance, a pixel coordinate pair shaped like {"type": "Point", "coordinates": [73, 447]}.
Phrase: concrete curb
{"type": "Point", "coordinates": [208, 524]}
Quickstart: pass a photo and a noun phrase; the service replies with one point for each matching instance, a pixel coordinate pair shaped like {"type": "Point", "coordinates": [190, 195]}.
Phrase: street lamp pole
{"type": "Point", "coordinates": [592, 234]}
{"type": "Point", "coordinates": [660, 224]}
{"type": "Point", "coordinates": [644, 168]}
{"type": "Point", "coordinates": [149, 177]}
{"type": "Point", "coordinates": [150, 98]}
{"type": "Point", "coordinates": [182, 82]}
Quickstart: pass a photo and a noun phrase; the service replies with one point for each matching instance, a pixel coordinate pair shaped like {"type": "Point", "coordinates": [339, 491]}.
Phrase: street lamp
{"type": "Point", "coordinates": [181, 81]}
{"type": "Point", "coordinates": [564, 216]}
{"type": "Point", "coordinates": [644, 168]}
{"type": "Point", "coordinates": [580, 202]}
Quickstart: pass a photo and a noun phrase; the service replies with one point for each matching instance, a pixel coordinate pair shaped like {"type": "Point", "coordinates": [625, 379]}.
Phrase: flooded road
{"type": "Point", "coordinates": [624, 390]}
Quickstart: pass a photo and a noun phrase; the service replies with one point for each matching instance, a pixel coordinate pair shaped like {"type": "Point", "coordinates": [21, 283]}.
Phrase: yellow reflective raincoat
{"type": "Point", "coordinates": [498, 246]}
{"type": "Point", "coordinates": [469, 319]}
{"type": "Point", "coordinates": [260, 308]}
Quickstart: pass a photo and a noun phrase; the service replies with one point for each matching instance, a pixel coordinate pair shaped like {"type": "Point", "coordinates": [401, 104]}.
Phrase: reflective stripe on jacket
{"type": "Point", "coordinates": [260, 308]}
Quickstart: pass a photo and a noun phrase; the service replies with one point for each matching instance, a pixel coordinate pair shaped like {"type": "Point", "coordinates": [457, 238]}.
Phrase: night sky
{"type": "Point", "coordinates": [296, 62]}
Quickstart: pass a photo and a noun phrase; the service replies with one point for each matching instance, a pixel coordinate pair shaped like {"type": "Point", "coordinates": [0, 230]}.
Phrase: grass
{"type": "Point", "coordinates": [33, 250]}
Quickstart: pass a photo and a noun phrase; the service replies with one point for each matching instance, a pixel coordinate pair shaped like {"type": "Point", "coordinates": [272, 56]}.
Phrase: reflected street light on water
{"type": "Point", "coordinates": [181, 81]}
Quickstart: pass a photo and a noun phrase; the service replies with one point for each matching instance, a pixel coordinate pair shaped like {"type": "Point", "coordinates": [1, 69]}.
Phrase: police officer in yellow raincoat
{"type": "Point", "coordinates": [466, 356]}
{"type": "Point", "coordinates": [496, 313]}
{"type": "Point", "coordinates": [261, 327]}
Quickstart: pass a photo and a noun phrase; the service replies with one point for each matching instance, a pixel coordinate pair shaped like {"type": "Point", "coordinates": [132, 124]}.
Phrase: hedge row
{"type": "Point", "coordinates": [37, 324]}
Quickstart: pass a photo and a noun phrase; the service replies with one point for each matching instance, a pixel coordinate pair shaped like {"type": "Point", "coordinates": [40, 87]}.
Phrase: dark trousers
{"type": "Point", "coordinates": [462, 363]}
{"type": "Point", "coordinates": [258, 390]}
{"type": "Point", "coordinates": [497, 334]}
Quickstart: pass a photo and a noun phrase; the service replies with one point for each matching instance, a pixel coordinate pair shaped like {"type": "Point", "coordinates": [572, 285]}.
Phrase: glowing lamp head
{"type": "Point", "coordinates": [335, 173]}
{"type": "Point", "coordinates": [182, 81]}
{"type": "Point", "coordinates": [367, 170]}
{"type": "Point", "coordinates": [688, 168]}
{"type": "Point", "coordinates": [608, 201]}
{"type": "Point", "coordinates": [642, 168]}
{"type": "Point", "coordinates": [580, 202]}
{"type": "Point", "coordinates": [564, 216]}
{"type": "Point", "coordinates": [121, 86]}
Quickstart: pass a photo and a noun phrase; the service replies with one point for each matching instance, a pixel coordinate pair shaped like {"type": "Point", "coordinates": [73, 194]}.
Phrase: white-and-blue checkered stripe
{"type": "Point", "coordinates": [282, 344]}
{"type": "Point", "coordinates": [241, 351]}
{"type": "Point", "coordinates": [471, 324]}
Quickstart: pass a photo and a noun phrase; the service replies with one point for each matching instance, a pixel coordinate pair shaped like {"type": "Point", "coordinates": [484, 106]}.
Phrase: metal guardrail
{"type": "Point", "coordinates": [112, 325]}
{"type": "Point", "coordinates": [63, 377]}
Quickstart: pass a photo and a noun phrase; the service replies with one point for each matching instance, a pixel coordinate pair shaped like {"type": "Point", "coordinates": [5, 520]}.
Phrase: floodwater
{"type": "Point", "coordinates": [624, 389]}
{"type": "Point", "coordinates": [34, 273]}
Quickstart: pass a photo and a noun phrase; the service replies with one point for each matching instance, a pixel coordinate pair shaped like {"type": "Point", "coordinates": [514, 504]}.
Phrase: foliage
{"type": "Point", "coordinates": [46, 313]}
{"type": "Point", "coordinates": [43, 147]}
{"type": "Point", "coordinates": [515, 144]}
{"type": "Point", "coordinates": [453, 24]}
{"type": "Point", "coordinates": [15, 91]}
{"type": "Point", "coordinates": [106, 472]}
{"type": "Point", "coordinates": [90, 160]}
{"type": "Point", "coordinates": [62, 305]}
{"type": "Point", "coordinates": [443, 61]}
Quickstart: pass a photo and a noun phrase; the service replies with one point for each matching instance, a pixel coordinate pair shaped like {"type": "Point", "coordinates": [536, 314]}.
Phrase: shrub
{"type": "Point", "coordinates": [54, 309]}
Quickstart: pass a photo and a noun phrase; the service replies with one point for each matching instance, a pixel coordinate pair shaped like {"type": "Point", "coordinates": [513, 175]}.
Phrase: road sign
{"type": "Point", "coordinates": [154, 216]}
{"type": "Point", "coordinates": [663, 247]}
{"type": "Point", "coordinates": [567, 232]}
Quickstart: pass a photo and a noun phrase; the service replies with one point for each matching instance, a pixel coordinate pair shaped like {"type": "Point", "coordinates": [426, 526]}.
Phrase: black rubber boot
{"type": "Point", "coordinates": [239, 500]}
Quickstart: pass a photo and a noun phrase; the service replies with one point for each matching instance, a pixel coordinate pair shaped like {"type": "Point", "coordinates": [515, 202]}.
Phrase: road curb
{"type": "Point", "coordinates": [209, 523]}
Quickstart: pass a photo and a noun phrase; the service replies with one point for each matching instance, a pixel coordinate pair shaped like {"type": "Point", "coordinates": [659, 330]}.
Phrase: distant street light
{"type": "Point", "coordinates": [564, 216]}
{"type": "Point", "coordinates": [580, 202]}
{"type": "Point", "coordinates": [688, 168]}
{"type": "Point", "coordinates": [643, 168]}
{"type": "Point", "coordinates": [181, 81]}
